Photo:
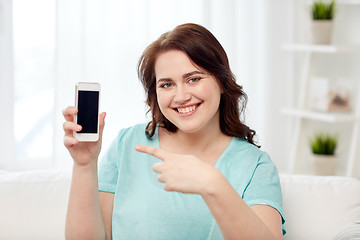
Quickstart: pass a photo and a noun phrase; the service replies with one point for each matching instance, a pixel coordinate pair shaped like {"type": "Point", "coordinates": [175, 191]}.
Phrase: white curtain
{"type": "Point", "coordinates": [7, 141]}
{"type": "Point", "coordinates": [102, 40]}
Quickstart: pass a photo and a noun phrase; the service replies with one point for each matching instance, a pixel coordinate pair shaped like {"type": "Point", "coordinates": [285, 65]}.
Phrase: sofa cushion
{"type": "Point", "coordinates": [319, 207]}
{"type": "Point", "coordinates": [351, 232]}
{"type": "Point", "coordinates": [33, 204]}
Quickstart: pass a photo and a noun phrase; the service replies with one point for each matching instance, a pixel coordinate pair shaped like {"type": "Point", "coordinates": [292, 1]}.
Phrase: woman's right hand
{"type": "Point", "coordinates": [83, 153]}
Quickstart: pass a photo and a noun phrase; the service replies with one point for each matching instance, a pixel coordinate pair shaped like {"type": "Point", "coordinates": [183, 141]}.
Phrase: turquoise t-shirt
{"type": "Point", "coordinates": [144, 210]}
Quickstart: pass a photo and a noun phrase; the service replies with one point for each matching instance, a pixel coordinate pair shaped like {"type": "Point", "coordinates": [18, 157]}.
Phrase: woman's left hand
{"type": "Point", "coordinates": [181, 173]}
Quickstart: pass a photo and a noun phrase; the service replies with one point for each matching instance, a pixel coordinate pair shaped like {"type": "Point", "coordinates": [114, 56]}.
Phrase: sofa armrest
{"type": "Point", "coordinates": [318, 207]}
{"type": "Point", "coordinates": [33, 204]}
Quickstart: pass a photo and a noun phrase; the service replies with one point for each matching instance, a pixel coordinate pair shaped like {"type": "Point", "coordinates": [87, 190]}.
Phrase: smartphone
{"type": "Point", "coordinates": [87, 101]}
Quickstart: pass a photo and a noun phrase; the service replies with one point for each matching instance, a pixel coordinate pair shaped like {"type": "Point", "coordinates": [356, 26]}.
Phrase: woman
{"type": "Point", "coordinates": [193, 172]}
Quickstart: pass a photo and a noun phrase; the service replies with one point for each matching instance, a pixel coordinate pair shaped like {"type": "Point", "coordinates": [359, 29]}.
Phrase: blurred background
{"type": "Point", "coordinates": [46, 46]}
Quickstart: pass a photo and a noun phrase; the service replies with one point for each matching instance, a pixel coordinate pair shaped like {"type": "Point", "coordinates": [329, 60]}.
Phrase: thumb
{"type": "Point", "coordinates": [101, 124]}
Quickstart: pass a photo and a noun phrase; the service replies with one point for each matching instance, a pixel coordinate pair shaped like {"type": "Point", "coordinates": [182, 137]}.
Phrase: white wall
{"type": "Point", "coordinates": [102, 40]}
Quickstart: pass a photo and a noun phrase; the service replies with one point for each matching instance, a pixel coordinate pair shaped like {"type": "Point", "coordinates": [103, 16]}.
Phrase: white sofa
{"type": "Point", "coordinates": [318, 208]}
{"type": "Point", "coordinates": [33, 205]}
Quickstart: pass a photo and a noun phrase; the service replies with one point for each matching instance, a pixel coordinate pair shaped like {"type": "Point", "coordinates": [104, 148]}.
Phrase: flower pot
{"type": "Point", "coordinates": [321, 31]}
{"type": "Point", "coordinates": [324, 165]}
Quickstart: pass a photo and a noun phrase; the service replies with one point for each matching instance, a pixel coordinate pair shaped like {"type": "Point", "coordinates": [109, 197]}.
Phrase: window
{"type": "Point", "coordinates": [34, 76]}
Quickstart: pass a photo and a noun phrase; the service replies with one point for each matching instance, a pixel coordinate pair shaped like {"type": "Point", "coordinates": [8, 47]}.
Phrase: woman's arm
{"type": "Point", "coordinates": [84, 218]}
{"type": "Point", "coordinates": [235, 218]}
{"type": "Point", "coordinates": [106, 206]}
{"type": "Point", "coordinates": [188, 174]}
{"type": "Point", "coordinates": [89, 214]}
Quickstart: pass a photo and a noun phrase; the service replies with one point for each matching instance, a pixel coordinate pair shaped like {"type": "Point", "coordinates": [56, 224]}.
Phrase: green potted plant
{"type": "Point", "coordinates": [322, 20]}
{"type": "Point", "coordinates": [323, 10]}
{"type": "Point", "coordinates": [323, 148]}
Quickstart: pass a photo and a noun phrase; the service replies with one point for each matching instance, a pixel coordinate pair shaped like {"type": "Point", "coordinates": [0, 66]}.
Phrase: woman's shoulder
{"type": "Point", "coordinates": [137, 128]}
{"type": "Point", "coordinates": [242, 146]}
{"type": "Point", "coordinates": [242, 154]}
{"type": "Point", "coordinates": [133, 133]}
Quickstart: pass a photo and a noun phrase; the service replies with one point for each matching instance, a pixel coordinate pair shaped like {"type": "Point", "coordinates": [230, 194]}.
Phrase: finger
{"type": "Point", "coordinates": [168, 188]}
{"type": "Point", "coordinates": [69, 113]}
{"type": "Point", "coordinates": [161, 178]}
{"type": "Point", "coordinates": [70, 141]}
{"type": "Point", "coordinates": [70, 127]}
{"type": "Point", "coordinates": [156, 152]}
{"type": "Point", "coordinates": [158, 167]}
{"type": "Point", "coordinates": [101, 124]}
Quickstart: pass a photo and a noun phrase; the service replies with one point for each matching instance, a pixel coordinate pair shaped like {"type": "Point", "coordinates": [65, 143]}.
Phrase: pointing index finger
{"type": "Point", "coordinates": [156, 152]}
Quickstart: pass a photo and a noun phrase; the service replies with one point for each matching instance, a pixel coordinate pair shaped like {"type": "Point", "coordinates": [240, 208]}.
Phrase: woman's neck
{"type": "Point", "coordinates": [191, 143]}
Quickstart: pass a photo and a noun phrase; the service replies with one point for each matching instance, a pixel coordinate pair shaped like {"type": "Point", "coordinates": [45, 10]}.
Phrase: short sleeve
{"type": "Point", "coordinates": [264, 187]}
{"type": "Point", "coordinates": [109, 165]}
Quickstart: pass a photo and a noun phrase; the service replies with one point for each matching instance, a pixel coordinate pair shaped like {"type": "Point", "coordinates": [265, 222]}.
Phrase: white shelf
{"type": "Point", "coordinates": [350, 2]}
{"type": "Point", "coordinates": [320, 116]}
{"type": "Point", "coordinates": [320, 48]}
{"type": "Point", "coordinates": [342, 2]}
{"type": "Point", "coordinates": [302, 115]}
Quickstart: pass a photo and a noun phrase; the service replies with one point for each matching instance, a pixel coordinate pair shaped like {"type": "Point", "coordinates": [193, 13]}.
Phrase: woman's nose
{"type": "Point", "coordinates": [182, 95]}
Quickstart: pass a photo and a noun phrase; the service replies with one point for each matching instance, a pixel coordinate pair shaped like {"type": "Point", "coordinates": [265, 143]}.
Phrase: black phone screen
{"type": "Point", "coordinates": [88, 106]}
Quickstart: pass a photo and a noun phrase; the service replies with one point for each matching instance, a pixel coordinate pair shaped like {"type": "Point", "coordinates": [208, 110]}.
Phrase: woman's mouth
{"type": "Point", "coordinates": [188, 110]}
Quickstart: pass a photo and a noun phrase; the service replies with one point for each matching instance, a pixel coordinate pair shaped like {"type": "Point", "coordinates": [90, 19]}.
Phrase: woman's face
{"type": "Point", "coordinates": [187, 95]}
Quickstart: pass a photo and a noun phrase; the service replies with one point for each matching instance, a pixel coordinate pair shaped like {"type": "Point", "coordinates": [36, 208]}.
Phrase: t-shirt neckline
{"type": "Point", "coordinates": [218, 161]}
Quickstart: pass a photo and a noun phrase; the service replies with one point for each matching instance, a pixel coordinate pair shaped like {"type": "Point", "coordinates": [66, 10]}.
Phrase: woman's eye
{"type": "Point", "coordinates": [165, 85]}
{"type": "Point", "coordinates": [194, 80]}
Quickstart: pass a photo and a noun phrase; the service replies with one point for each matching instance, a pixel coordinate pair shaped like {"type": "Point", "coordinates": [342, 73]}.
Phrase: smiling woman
{"type": "Point", "coordinates": [206, 57]}
{"type": "Point", "coordinates": [192, 94]}
{"type": "Point", "coordinates": [195, 146]}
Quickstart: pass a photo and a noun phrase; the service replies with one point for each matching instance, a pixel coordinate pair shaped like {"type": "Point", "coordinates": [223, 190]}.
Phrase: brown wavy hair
{"type": "Point", "coordinates": [207, 53]}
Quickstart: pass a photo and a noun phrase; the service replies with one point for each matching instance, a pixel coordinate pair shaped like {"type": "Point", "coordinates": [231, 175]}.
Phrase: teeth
{"type": "Point", "coordinates": [187, 109]}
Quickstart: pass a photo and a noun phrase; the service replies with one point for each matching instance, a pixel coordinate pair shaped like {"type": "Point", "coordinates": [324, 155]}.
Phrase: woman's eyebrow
{"type": "Point", "coordinates": [164, 80]}
{"type": "Point", "coordinates": [186, 75]}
